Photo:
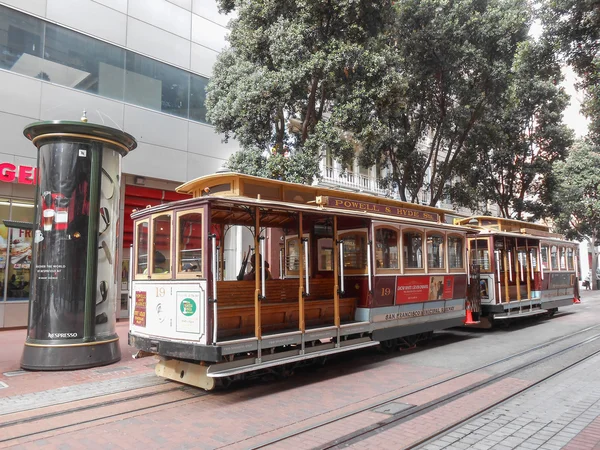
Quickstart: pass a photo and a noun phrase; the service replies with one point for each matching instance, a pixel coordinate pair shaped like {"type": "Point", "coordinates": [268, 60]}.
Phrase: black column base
{"type": "Point", "coordinates": [38, 356]}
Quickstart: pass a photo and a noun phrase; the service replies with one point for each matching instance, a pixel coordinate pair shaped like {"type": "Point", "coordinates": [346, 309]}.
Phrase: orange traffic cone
{"type": "Point", "coordinates": [469, 318]}
{"type": "Point", "coordinates": [576, 300]}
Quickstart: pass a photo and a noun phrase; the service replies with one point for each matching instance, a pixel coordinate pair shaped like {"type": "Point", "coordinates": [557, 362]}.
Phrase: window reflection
{"type": "Point", "coordinates": [156, 85]}
{"type": "Point", "coordinates": [386, 248]}
{"type": "Point", "coordinates": [161, 258]}
{"type": "Point", "coordinates": [190, 243]}
{"type": "Point", "coordinates": [198, 98]}
{"type": "Point", "coordinates": [413, 250]}
{"type": "Point", "coordinates": [455, 252]}
{"type": "Point", "coordinates": [142, 248]}
{"type": "Point", "coordinates": [84, 63]}
{"type": "Point", "coordinates": [81, 62]}
{"type": "Point", "coordinates": [435, 251]}
{"type": "Point", "coordinates": [20, 42]}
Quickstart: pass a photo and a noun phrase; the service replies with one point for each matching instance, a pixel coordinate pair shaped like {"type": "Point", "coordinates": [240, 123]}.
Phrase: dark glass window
{"type": "Point", "coordinates": [52, 53]}
{"type": "Point", "coordinates": [198, 98]}
{"type": "Point", "coordinates": [21, 38]}
{"type": "Point", "coordinates": [81, 62]}
{"type": "Point", "coordinates": [156, 85]}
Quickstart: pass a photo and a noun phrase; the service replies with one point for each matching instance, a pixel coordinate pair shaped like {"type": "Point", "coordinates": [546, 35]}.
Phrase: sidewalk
{"type": "Point", "coordinates": [79, 383]}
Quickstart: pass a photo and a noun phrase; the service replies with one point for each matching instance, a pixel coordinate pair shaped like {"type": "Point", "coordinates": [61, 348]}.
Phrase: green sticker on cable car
{"type": "Point", "coordinates": [188, 307]}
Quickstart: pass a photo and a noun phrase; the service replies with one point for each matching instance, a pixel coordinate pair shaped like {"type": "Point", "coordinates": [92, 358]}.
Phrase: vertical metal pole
{"type": "Point", "coordinates": [541, 262]}
{"type": "Point", "coordinates": [336, 285]}
{"type": "Point", "coordinates": [342, 266]}
{"type": "Point", "coordinates": [306, 278]}
{"type": "Point", "coordinates": [510, 265]}
{"type": "Point", "coordinates": [301, 318]}
{"type": "Point", "coordinates": [262, 266]}
{"type": "Point", "coordinates": [369, 273]}
{"type": "Point", "coordinates": [213, 237]}
{"type": "Point", "coordinates": [281, 274]}
{"type": "Point", "coordinates": [257, 307]}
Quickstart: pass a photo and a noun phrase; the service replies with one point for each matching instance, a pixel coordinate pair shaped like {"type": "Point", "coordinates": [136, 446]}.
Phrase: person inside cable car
{"type": "Point", "coordinates": [250, 275]}
{"type": "Point", "coordinates": [159, 263]}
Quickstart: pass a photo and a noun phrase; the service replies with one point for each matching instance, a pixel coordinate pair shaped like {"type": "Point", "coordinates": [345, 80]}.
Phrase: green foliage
{"type": "Point", "coordinates": [280, 79]}
{"type": "Point", "coordinates": [574, 27]}
{"type": "Point", "coordinates": [519, 140]}
{"type": "Point", "coordinates": [578, 193]}
{"type": "Point", "coordinates": [449, 66]}
{"type": "Point", "coordinates": [578, 196]}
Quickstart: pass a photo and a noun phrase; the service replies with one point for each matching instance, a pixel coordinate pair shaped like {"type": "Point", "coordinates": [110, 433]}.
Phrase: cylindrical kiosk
{"type": "Point", "coordinates": [74, 274]}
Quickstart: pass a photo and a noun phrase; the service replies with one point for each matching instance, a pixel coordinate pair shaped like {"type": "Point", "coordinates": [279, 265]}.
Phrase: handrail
{"type": "Point", "coordinates": [262, 267]}
{"type": "Point", "coordinates": [306, 281]}
{"type": "Point", "coordinates": [341, 242]}
{"type": "Point", "coordinates": [509, 265]}
{"type": "Point", "coordinates": [369, 270]}
{"type": "Point", "coordinates": [213, 237]}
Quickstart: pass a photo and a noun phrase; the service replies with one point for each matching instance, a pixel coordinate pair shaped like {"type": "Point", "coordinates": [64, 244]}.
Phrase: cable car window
{"type": "Point", "coordinates": [435, 251]}
{"type": "Point", "coordinates": [161, 239]}
{"type": "Point", "coordinates": [189, 243]}
{"type": "Point", "coordinates": [563, 258]}
{"type": "Point", "coordinates": [553, 258]}
{"type": "Point", "coordinates": [386, 248]}
{"type": "Point", "coordinates": [142, 248]}
{"type": "Point", "coordinates": [570, 265]}
{"type": "Point", "coordinates": [455, 252]}
{"type": "Point", "coordinates": [413, 250]}
{"type": "Point", "coordinates": [534, 258]}
{"type": "Point", "coordinates": [480, 253]}
{"type": "Point", "coordinates": [325, 247]}
{"type": "Point", "coordinates": [545, 258]}
{"type": "Point", "coordinates": [355, 251]}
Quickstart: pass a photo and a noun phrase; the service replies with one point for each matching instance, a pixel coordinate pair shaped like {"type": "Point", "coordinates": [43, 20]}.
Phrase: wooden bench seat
{"type": "Point", "coordinates": [279, 311]}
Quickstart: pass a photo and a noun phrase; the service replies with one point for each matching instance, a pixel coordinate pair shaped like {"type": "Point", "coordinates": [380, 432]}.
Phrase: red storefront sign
{"type": "Point", "coordinates": [21, 174]}
{"type": "Point", "coordinates": [424, 288]}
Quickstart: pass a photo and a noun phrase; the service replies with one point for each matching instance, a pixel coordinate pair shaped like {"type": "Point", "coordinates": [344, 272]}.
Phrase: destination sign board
{"type": "Point", "coordinates": [357, 205]}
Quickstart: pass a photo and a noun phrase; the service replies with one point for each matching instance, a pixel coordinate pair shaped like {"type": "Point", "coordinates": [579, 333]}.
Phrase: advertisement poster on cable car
{"type": "Point", "coordinates": [424, 288]}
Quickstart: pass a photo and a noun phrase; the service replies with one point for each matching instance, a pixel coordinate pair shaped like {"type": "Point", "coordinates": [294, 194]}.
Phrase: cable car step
{"type": "Point", "coordinates": [214, 372]}
{"type": "Point", "coordinates": [514, 314]}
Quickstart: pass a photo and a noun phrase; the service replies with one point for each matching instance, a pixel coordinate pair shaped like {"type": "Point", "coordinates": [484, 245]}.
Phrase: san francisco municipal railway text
{"type": "Point", "coordinates": [419, 313]}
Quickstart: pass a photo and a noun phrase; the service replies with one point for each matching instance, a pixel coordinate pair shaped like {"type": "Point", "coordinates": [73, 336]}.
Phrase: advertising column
{"type": "Point", "coordinates": [74, 273]}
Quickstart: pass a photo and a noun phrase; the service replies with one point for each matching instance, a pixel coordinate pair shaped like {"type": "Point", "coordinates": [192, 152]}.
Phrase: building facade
{"type": "Point", "coordinates": [138, 65]}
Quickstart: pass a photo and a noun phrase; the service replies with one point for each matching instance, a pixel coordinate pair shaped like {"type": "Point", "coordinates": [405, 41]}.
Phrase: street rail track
{"type": "Point", "coordinates": [41, 423]}
{"type": "Point", "coordinates": [415, 411]}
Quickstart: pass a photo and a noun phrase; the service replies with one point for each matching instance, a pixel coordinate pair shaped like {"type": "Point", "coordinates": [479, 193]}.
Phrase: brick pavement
{"type": "Point", "coordinates": [564, 412]}
{"type": "Point", "coordinates": [20, 382]}
{"type": "Point", "coordinates": [241, 418]}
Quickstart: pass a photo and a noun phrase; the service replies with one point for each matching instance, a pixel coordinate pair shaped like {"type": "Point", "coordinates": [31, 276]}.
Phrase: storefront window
{"type": "Point", "coordinates": [455, 252]}
{"type": "Point", "coordinates": [189, 243]}
{"type": "Point", "coordinates": [20, 253]}
{"type": "Point", "coordinates": [386, 248]}
{"type": "Point", "coordinates": [413, 250]}
{"type": "Point", "coordinates": [161, 258]}
{"type": "Point", "coordinates": [435, 251]}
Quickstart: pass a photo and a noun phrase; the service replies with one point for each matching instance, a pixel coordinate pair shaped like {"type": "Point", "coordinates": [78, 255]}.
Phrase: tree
{"type": "Point", "coordinates": [574, 25]}
{"type": "Point", "coordinates": [578, 197]}
{"type": "Point", "coordinates": [518, 142]}
{"type": "Point", "coordinates": [275, 89]}
{"type": "Point", "coordinates": [452, 62]}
